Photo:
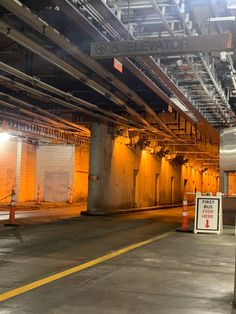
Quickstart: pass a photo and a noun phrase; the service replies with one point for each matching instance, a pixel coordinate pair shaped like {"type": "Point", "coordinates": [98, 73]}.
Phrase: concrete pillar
{"type": "Point", "coordinates": [99, 168]}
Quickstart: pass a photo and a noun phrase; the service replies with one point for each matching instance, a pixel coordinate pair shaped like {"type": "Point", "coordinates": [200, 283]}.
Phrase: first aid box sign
{"type": "Point", "coordinates": [208, 215]}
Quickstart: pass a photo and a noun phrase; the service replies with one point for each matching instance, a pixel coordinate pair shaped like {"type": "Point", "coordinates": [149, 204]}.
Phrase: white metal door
{"type": "Point", "coordinates": [56, 186]}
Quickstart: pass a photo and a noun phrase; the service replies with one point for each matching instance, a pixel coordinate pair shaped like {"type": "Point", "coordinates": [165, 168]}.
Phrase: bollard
{"type": "Point", "coordinates": [38, 196]}
{"type": "Point", "coordinates": [184, 218]}
{"type": "Point", "coordinates": [11, 221]}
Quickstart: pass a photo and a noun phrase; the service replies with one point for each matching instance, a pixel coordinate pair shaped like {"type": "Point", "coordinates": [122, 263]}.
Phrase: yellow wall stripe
{"type": "Point", "coordinates": [64, 273]}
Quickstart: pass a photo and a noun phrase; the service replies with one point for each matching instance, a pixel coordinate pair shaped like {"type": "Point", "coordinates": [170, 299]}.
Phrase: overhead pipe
{"type": "Point", "coordinates": [42, 113]}
{"type": "Point", "coordinates": [29, 113]}
{"type": "Point", "coordinates": [34, 122]}
{"type": "Point", "coordinates": [12, 33]}
{"type": "Point", "coordinates": [25, 41]}
{"type": "Point", "coordinates": [46, 97]}
{"type": "Point", "coordinates": [30, 120]}
{"type": "Point", "coordinates": [152, 64]}
{"type": "Point", "coordinates": [103, 9]}
{"type": "Point", "coordinates": [38, 132]}
{"type": "Point", "coordinates": [59, 101]}
{"type": "Point", "coordinates": [204, 63]}
{"type": "Point", "coordinates": [172, 33]}
{"type": "Point", "coordinates": [12, 84]}
{"type": "Point", "coordinates": [40, 25]}
{"type": "Point", "coordinates": [30, 126]}
{"type": "Point", "coordinates": [38, 83]}
{"type": "Point", "coordinates": [69, 9]}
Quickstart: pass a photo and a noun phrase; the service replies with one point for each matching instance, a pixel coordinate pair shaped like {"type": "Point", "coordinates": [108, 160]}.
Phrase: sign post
{"type": "Point", "coordinates": [208, 214]}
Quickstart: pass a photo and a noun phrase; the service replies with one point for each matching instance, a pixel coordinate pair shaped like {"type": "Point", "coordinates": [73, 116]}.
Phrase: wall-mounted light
{"type": "Point", "coordinates": [4, 136]}
{"type": "Point", "coordinates": [162, 153]}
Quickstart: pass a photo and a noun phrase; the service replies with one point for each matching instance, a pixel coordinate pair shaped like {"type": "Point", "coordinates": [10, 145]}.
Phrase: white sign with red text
{"type": "Point", "coordinates": [208, 214]}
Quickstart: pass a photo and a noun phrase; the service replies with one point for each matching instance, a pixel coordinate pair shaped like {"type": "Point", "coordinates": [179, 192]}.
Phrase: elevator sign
{"type": "Point", "coordinates": [161, 45]}
{"type": "Point", "coordinates": [208, 215]}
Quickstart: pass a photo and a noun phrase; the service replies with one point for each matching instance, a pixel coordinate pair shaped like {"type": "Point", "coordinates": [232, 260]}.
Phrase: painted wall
{"type": "Point", "coordinates": [123, 177]}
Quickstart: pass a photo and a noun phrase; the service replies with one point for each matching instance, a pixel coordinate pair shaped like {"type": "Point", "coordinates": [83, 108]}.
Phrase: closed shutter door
{"type": "Point", "coordinates": [56, 186]}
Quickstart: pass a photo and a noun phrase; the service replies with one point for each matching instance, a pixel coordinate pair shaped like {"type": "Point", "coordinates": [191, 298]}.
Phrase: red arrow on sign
{"type": "Point", "coordinates": [207, 224]}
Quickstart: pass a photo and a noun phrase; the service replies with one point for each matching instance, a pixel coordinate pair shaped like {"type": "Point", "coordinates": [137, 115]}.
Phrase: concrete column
{"type": "Point", "coordinates": [99, 168]}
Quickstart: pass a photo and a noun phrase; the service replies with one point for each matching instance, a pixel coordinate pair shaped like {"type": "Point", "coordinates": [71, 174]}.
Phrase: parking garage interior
{"type": "Point", "coordinates": [98, 155]}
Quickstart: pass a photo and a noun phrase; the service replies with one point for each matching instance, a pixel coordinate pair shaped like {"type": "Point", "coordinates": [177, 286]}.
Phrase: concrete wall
{"type": "Point", "coordinates": [27, 173]}
{"type": "Point", "coordinates": [123, 177]}
{"type": "Point", "coordinates": [81, 164]}
{"type": "Point", "coordinates": [63, 166]}
{"type": "Point", "coordinates": [8, 154]}
{"type": "Point", "coordinates": [17, 165]}
{"type": "Point", "coordinates": [120, 177]}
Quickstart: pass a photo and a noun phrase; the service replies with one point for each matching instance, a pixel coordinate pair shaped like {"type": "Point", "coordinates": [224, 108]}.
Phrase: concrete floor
{"type": "Point", "coordinates": [182, 273]}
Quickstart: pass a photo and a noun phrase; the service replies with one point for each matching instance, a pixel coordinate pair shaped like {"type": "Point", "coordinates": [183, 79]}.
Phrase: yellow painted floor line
{"type": "Point", "coordinates": [75, 269]}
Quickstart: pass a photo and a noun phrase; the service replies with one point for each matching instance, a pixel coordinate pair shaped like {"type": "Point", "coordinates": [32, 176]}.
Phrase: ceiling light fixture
{"type": "Point", "coordinates": [179, 104]}
{"type": "Point", "coordinates": [221, 19]}
{"type": "Point", "coordinates": [182, 107]}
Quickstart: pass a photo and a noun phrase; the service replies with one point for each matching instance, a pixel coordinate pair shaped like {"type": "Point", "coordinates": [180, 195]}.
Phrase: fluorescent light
{"type": "Point", "coordinates": [182, 107]}
{"type": "Point", "coordinates": [191, 116]}
{"type": "Point", "coordinates": [221, 19]}
{"type": "Point", "coordinates": [179, 104]}
{"type": "Point", "coordinates": [4, 136]}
